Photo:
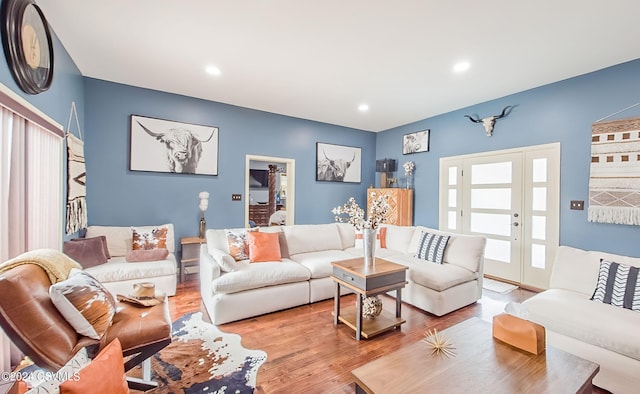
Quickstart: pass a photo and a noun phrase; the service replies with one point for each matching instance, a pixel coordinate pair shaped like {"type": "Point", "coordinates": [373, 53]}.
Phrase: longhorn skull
{"type": "Point", "coordinates": [490, 121]}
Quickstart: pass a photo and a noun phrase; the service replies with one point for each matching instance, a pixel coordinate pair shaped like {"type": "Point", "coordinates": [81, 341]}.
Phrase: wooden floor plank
{"type": "Point", "coordinates": [308, 354]}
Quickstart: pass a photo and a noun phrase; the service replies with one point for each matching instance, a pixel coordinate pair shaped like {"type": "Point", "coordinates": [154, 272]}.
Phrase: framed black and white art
{"type": "Point", "coordinates": [338, 163]}
{"type": "Point", "coordinates": [415, 142]}
{"type": "Point", "coordinates": [159, 145]}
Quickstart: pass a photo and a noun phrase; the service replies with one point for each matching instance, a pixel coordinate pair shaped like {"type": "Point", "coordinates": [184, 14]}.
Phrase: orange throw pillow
{"type": "Point", "coordinates": [103, 375]}
{"type": "Point", "coordinates": [263, 247]}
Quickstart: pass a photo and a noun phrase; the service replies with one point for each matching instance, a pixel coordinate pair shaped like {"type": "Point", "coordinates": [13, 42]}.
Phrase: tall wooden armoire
{"type": "Point", "coordinates": [400, 202]}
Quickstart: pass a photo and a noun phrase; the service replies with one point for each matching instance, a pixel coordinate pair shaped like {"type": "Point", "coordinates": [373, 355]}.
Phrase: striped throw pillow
{"type": "Point", "coordinates": [618, 285]}
{"type": "Point", "coordinates": [432, 247]}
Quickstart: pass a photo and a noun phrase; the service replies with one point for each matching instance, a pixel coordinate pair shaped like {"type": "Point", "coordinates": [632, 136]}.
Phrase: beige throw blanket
{"type": "Point", "coordinates": [56, 264]}
{"type": "Point", "coordinates": [614, 182]}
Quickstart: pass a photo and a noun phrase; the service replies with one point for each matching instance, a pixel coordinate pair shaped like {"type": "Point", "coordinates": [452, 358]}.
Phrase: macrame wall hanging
{"type": "Point", "coordinates": [76, 178]}
{"type": "Point", "coordinates": [614, 181]}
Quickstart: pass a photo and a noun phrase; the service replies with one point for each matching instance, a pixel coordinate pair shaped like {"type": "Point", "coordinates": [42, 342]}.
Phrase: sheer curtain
{"type": "Point", "coordinates": [31, 189]}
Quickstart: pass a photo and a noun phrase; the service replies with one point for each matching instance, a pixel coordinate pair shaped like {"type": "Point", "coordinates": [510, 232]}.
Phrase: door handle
{"type": "Point", "coordinates": [516, 224]}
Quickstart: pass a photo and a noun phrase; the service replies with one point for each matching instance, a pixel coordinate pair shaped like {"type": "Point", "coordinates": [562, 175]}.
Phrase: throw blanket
{"type": "Point", "coordinates": [614, 182]}
{"type": "Point", "coordinates": [56, 264]}
{"type": "Point", "coordinates": [76, 185]}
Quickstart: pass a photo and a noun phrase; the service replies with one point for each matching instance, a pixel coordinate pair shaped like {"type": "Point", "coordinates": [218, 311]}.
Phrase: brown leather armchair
{"type": "Point", "coordinates": [35, 326]}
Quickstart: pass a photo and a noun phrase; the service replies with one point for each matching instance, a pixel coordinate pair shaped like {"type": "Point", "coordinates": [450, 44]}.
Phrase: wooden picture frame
{"type": "Point", "coordinates": [338, 163]}
{"type": "Point", "coordinates": [415, 142]}
{"type": "Point", "coordinates": [159, 145]}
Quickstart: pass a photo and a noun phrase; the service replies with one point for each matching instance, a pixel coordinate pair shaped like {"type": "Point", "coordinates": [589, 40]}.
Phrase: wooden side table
{"type": "Point", "coordinates": [384, 276]}
{"type": "Point", "coordinates": [189, 262]}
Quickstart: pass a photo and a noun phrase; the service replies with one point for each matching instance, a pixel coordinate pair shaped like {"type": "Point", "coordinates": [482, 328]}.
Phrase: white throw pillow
{"type": "Point", "coordinates": [86, 305]}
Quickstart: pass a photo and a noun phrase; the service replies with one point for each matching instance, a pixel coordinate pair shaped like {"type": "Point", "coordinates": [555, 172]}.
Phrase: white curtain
{"type": "Point", "coordinates": [31, 189]}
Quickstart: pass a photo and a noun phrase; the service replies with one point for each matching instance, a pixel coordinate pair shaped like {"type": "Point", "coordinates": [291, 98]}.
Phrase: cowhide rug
{"type": "Point", "coordinates": [203, 359]}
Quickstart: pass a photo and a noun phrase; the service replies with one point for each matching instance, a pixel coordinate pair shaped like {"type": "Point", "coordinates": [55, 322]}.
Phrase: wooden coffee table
{"type": "Point", "coordinates": [382, 277]}
{"type": "Point", "coordinates": [481, 365]}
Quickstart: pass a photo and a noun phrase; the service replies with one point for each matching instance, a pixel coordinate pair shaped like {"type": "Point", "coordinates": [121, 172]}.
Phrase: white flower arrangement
{"type": "Point", "coordinates": [408, 168]}
{"type": "Point", "coordinates": [204, 201]}
{"type": "Point", "coordinates": [377, 212]}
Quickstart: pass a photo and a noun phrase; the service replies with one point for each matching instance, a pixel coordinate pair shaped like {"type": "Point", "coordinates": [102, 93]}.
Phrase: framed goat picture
{"type": "Point", "coordinates": [338, 163]}
{"type": "Point", "coordinates": [159, 145]}
{"type": "Point", "coordinates": [415, 142]}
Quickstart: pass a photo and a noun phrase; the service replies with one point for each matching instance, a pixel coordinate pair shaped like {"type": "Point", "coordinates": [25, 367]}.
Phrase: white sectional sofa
{"type": "Point", "coordinates": [599, 332]}
{"type": "Point", "coordinates": [118, 275]}
{"type": "Point", "coordinates": [250, 289]}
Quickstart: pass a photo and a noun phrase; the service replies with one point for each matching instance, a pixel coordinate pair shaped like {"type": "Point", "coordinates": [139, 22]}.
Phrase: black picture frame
{"type": "Point", "coordinates": [27, 44]}
{"type": "Point", "coordinates": [415, 142]}
{"type": "Point", "coordinates": [159, 145]}
{"type": "Point", "coordinates": [338, 163]}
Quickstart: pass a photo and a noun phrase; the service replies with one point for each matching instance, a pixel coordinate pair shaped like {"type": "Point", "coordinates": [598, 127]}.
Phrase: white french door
{"type": "Point", "coordinates": [512, 198]}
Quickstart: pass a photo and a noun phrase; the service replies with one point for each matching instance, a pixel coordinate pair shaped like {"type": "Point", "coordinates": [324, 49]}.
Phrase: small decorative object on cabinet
{"type": "Point", "coordinates": [400, 205]}
{"type": "Point", "coordinates": [204, 204]}
{"type": "Point", "coordinates": [190, 256]}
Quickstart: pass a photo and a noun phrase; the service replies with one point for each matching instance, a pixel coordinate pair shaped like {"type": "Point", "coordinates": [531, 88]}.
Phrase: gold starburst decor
{"type": "Point", "coordinates": [441, 345]}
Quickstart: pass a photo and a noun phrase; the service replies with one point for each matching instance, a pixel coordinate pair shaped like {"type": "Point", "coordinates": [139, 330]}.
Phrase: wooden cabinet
{"type": "Point", "coordinates": [259, 214]}
{"type": "Point", "coordinates": [400, 203]}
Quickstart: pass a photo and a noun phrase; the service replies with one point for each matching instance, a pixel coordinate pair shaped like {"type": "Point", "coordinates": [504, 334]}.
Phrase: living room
{"type": "Point", "coordinates": [563, 112]}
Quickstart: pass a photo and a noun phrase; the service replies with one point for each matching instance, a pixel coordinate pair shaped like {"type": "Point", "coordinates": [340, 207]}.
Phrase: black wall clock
{"type": "Point", "coordinates": [27, 45]}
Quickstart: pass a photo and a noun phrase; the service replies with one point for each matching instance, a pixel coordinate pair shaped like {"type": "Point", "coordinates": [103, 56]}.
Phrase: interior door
{"type": "Point", "coordinates": [512, 198]}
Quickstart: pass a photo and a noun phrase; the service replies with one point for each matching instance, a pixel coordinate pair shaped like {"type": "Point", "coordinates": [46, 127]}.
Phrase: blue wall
{"type": "Point", "coordinates": [560, 112]}
{"type": "Point", "coordinates": [118, 196]}
{"type": "Point", "coordinates": [67, 86]}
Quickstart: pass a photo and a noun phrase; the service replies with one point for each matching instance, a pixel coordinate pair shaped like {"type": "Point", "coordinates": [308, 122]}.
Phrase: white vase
{"type": "Point", "coordinates": [369, 246]}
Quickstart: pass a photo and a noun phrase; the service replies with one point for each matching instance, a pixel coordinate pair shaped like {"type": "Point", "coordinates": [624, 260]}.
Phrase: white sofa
{"type": "Point", "coordinates": [605, 334]}
{"type": "Point", "coordinates": [258, 288]}
{"type": "Point", "coordinates": [118, 275]}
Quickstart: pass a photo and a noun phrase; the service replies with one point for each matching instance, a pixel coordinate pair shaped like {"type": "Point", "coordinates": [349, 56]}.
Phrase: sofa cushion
{"type": "Point", "coordinates": [147, 255]}
{"type": "Point", "coordinates": [282, 239]}
{"type": "Point", "coordinates": [118, 269]}
{"type": "Point", "coordinates": [437, 277]}
{"type": "Point", "coordinates": [104, 243]}
{"type": "Point", "coordinates": [347, 235]}
{"type": "Point", "coordinates": [263, 247]}
{"type": "Point", "coordinates": [237, 243]}
{"type": "Point", "coordinates": [149, 238]}
{"type": "Point", "coordinates": [85, 303]}
{"type": "Point", "coordinates": [618, 285]}
{"type": "Point", "coordinates": [399, 237]}
{"type": "Point", "coordinates": [255, 276]}
{"type": "Point", "coordinates": [466, 251]}
{"type": "Point", "coordinates": [319, 263]}
{"type": "Point", "coordinates": [87, 251]}
{"type": "Point", "coordinates": [432, 246]}
{"type": "Point", "coordinates": [574, 315]}
{"type": "Point", "coordinates": [577, 270]}
{"type": "Point", "coordinates": [120, 239]}
{"type": "Point", "coordinates": [103, 375]}
{"type": "Point", "coordinates": [303, 238]}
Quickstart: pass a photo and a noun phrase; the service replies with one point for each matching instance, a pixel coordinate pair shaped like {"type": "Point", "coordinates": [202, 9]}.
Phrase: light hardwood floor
{"type": "Point", "coordinates": [307, 354]}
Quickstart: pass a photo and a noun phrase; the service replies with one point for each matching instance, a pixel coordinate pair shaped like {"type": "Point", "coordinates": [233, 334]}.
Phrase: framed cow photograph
{"type": "Point", "coordinates": [159, 145]}
{"type": "Point", "coordinates": [415, 142]}
{"type": "Point", "coordinates": [338, 163]}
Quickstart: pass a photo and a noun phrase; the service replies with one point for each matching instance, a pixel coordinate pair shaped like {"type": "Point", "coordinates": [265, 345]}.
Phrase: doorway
{"type": "Point", "coordinates": [512, 198]}
{"type": "Point", "coordinates": [269, 187]}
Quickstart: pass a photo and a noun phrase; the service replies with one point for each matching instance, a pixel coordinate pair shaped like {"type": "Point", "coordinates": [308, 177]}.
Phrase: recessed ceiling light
{"type": "Point", "coordinates": [213, 70]}
{"type": "Point", "coordinates": [461, 67]}
{"type": "Point", "coordinates": [363, 107]}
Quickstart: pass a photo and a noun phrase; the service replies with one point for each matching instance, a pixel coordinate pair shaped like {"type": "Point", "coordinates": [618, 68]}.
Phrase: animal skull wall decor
{"type": "Point", "coordinates": [490, 121]}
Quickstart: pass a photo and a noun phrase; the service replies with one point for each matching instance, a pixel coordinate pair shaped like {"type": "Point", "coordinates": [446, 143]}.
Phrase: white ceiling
{"type": "Point", "coordinates": [319, 60]}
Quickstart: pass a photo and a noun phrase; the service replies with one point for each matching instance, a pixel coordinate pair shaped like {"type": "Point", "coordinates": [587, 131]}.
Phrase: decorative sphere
{"type": "Point", "coordinates": [371, 307]}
